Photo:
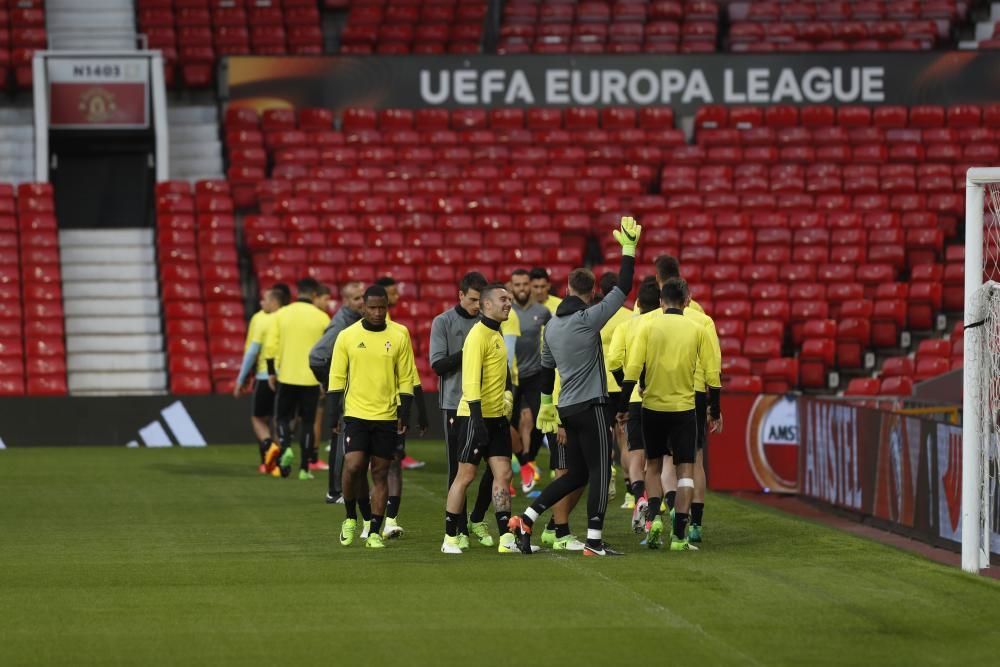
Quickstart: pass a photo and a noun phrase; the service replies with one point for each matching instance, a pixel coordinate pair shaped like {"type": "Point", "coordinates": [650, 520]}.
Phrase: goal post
{"type": "Point", "coordinates": [981, 384]}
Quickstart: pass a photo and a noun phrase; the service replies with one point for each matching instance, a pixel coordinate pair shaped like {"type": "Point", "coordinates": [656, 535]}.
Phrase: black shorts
{"type": "Point", "coordinates": [374, 438]}
{"type": "Point", "coordinates": [527, 394]}
{"type": "Point", "coordinates": [496, 443]}
{"type": "Point", "coordinates": [701, 417]}
{"type": "Point", "coordinates": [670, 434]}
{"type": "Point", "coordinates": [296, 400]}
{"type": "Point", "coordinates": [263, 399]}
{"type": "Point", "coordinates": [611, 408]}
{"type": "Point", "coordinates": [633, 427]}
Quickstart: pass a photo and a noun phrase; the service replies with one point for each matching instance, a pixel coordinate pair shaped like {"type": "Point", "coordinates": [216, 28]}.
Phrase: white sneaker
{"type": "Point", "coordinates": [391, 530]}
{"type": "Point", "coordinates": [450, 545]}
{"type": "Point", "coordinates": [367, 529]}
{"type": "Point", "coordinates": [639, 515]}
{"type": "Point", "coordinates": [568, 543]}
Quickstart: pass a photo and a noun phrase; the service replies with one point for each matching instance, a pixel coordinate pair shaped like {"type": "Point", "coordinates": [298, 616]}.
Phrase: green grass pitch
{"type": "Point", "coordinates": [188, 557]}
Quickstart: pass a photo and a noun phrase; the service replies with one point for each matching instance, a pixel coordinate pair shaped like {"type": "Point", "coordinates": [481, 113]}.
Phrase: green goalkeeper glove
{"type": "Point", "coordinates": [508, 404]}
{"type": "Point", "coordinates": [628, 235]}
{"type": "Point", "coordinates": [548, 416]}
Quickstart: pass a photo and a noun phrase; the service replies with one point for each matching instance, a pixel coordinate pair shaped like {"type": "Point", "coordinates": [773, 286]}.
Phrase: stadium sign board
{"type": "Point", "coordinates": [106, 93]}
{"type": "Point", "coordinates": [901, 472]}
{"type": "Point", "coordinates": [683, 82]}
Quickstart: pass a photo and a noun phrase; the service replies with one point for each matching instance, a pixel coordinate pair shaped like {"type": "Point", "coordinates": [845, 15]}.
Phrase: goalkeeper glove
{"type": "Point", "coordinates": [548, 416]}
{"type": "Point", "coordinates": [508, 404]}
{"type": "Point", "coordinates": [628, 235]}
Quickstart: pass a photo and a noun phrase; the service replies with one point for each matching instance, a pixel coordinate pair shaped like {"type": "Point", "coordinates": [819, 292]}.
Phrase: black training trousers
{"type": "Point", "coordinates": [292, 400]}
{"type": "Point", "coordinates": [588, 454]}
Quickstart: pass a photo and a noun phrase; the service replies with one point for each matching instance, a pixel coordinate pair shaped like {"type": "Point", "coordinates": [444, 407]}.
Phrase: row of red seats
{"type": "Point", "coordinates": [849, 115]}
{"type": "Point", "coordinates": [431, 27]}
{"type": "Point", "coordinates": [858, 10]}
{"type": "Point", "coordinates": [625, 26]}
{"type": "Point", "coordinates": [195, 33]}
{"type": "Point", "coordinates": [32, 348]}
{"type": "Point", "coordinates": [200, 278]}
{"type": "Point", "coordinates": [353, 118]}
{"type": "Point", "coordinates": [22, 32]}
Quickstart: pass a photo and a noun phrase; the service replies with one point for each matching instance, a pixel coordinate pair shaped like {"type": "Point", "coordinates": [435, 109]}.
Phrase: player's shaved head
{"type": "Point", "coordinates": [674, 293]}
{"type": "Point", "coordinates": [351, 294]}
{"type": "Point", "coordinates": [496, 302]}
{"type": "Point", "coordinates": [282, 293]}
{"type": "Point", "coordinates": [307, 287]}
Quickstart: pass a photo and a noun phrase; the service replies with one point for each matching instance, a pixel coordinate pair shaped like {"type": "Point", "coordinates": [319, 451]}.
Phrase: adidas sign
{"type": "Point", "coordinates": [179, 424]}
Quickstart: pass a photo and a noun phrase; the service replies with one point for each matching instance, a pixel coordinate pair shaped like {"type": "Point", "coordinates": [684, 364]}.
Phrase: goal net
{"type": "Point", "coordinates": [981, 402]}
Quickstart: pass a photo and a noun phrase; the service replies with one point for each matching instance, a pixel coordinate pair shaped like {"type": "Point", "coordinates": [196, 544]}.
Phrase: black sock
{"type": "Point", "coordinates": [366, 508]}
{"type": "Point", "coordinates": [652, 509]}
{"type": "Point", "coordinates": [484, 496]}
{"type": "Point", "coordinates": [502, 519]}
{"type": "Point", "coordinates": [552, 524]}
{"type": "Point", "coordinates": [463, 523]}
{"type": "Point", "coordinates": [313, 455]}
{"type": "Point", "coordinates": [671, 498]}
{"type": "Point", "coordinates": [351, 507]}
{"type": "Point", "coordinates": [680, 524]}
{"type": "Point", "coordinates": [392, 507]}
{"type": "Point", "coordinates": [451, 523]}
{"type": "Point", "coordinates": [306, 457]}
{"type": "Point", "coordinates": [376, 524]}
{"type": "Point", "coordinates": [638, 488]}
{"type": "Point", "coordinates": [521, 458]}
{"type": "Point", "coordinates": [697, 512]}
{"type": "Point", "coordinates": [562, 529]}
{"type": "Point", "coordinates": [264, 445]}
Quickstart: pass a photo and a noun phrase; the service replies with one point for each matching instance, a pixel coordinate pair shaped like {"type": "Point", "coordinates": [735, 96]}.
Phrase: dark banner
{"type": "Point", "coordinates": [683, 82]}
{"type": "Point", "coordinates": [903, 472]}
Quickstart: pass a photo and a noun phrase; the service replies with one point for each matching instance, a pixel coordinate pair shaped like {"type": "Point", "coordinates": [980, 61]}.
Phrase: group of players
{"type": "Point", "coordinates": [518, 369]}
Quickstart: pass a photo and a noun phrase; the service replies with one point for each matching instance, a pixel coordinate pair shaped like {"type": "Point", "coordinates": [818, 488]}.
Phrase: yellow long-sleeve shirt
{"type": "Point", "coordinates": [511, 327]}
{"type": "Point", "coordinates": [292, 333]}
{"type": "Point", "coordinates": [484, 371]}
{"type": "Point", "coordinates": [669, 348]}
{"type": "Point", "coordinates": [715, 369]}
{"type": "Point", "coordinates": [552, 303]}
{"type": "Point", "coordinates": [411, 362]}
{"type": "Point", "coordinates": [257, 333]}
{"type": "Point", "coordinates": [607, 333]}
{"type": "Point", "coordinates": [623, 341]}
{"type": "Point", "coordinates": [372, 368]}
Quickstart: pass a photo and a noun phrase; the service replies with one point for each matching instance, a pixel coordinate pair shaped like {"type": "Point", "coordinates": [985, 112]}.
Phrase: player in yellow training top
{"type": "Point", "coordinates": [622, 345]}
{"type": "Point", "coordinates": [291, 335]}
{"type": "Point", "coordinates": [262, 412]}
{"type": "Point", "coordinates": [484, 419]}
{"type": "Point", "coordinates": [668, 350]}
{"type": "Point", "coordinates": [371, 384]}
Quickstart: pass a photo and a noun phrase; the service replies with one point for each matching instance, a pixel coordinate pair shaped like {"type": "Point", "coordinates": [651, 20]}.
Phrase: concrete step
{"type": "Point", "coordinates": [100, 290]}
{"type": "Point", "coordinates": [207, 149]}
{"type": "Point", "coordinates": [114, 309]}
{"type": "Point", "coordinates": [117, 382]}
{"type": "Point", "coordinates": [117, 254]}
{"type": "Point", "coordinates": [119, 343]}
{"type": "Point", "coordinates": [189, 134]}
{"type": "Point", "coordinates": [106, 237]}
{"type": "Point", "coordinates": [114, 362]}
{"type": "Point", "coordinates": [114, 272]}
{"type": "Point", "coordinates": [192, 115]}
{"type": "Point", "coordinates": [112, 326]}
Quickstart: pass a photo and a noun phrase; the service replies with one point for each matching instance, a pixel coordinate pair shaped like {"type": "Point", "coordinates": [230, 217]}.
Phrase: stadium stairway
{"type": "Point", "coordinates": [113, 340]}
{"type": "Point", "coordinates": [17, 145]}
{"type": "Point", "coordinates": [95, 25]}
{"type": "Point", "coordinates": [195, 148]}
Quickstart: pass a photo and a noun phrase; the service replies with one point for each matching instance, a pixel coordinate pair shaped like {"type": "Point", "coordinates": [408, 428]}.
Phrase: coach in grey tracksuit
{"type": "Point", "coordinates": [319, 361]}
{"type": "Point", "coordinates": [572, 344]}
{"type": "Point", "coordinates": [448, 332]}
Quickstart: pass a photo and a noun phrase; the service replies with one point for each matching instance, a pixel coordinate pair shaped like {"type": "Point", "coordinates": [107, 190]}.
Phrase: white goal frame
{"type": "Point", "coordinates": [975, 443]}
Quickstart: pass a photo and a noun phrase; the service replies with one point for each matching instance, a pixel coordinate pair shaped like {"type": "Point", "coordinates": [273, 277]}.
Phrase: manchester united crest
{"type": "Point", "coordinates": [97, 104]}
